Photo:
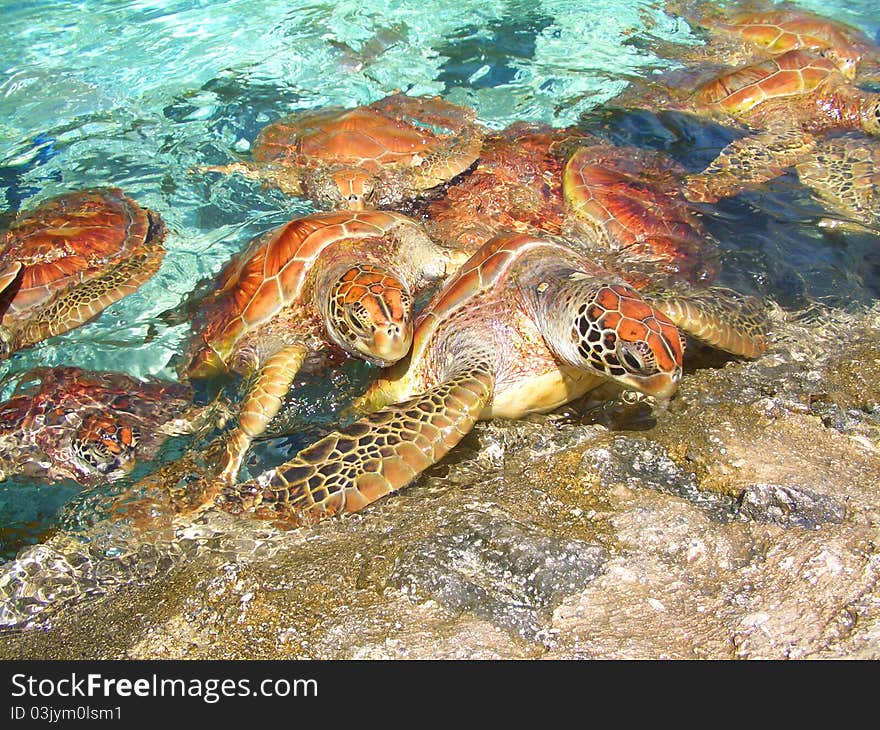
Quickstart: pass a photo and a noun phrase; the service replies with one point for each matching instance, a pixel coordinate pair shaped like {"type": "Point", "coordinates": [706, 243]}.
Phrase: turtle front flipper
{"type": "Point", "coordinates": [350, 468]}
{"type": "Point", "coordinates": [748, 162]}
{"type": "Point", "coordinates": [287, 178]}
{"type": "Point", "coordinates": [720, 317]}
{"type": "Point", "coordinates": [440, 167]}
{"type": "Point", "coordinates": [261, 404]}
{"type": "Point", "coordinates": [844, 172]}
{"type": "Point", "coordinates": [83, 302]}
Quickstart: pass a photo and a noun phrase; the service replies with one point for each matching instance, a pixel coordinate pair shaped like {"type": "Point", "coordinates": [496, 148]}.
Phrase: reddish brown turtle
{"type": "Point", "coordinates": [748, 32]}
{"type": "Point", "coordinates": [92, 427]}
{"type": "Point", "coordinates": [516, 186]}
{"type": "Point", "coordinates": [526, 325]}
{"type": "Point", "coordinates": [622, 205]}
{"type": "Point", "coordinates": [629, 200]}
{"type": "Point", "coordinates": [783, 105]}
{"type": "Point", "coordinates": [339, 282]}
{"type": "Point", "coordinates": [374, 156]}
{"type": "Point", "coordinates": [65, 261]}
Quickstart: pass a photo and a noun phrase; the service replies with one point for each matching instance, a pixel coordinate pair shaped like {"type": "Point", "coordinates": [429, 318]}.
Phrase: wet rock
{"type": "Point", "coordinates": [497, 569]}
{"type": "Point", "coordinates": [644, 464]}
{"type": "Point", "coordinates": [788, 505]}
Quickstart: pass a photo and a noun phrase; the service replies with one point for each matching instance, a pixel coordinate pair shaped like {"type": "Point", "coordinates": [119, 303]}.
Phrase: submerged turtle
{"type": "Point", "coordinates": [339, 281]}
{"type": "Point", "coordinates": [622, 205]}
{"type": "Point", "coordinates": [526, 325]}
{"type": "Point", "coordinates": [70, 258]}
{"type": "Point", "coordinates": [748, 32]}
{"type": "Point", "coordinates": [844, 172]}
{"type": "Point", "coordinates": [515, 187]}
{"type": "Point", "coordinates": [68, 423]}
{"type": "Point", "coordinates": [784, 103]}
{"type": "Point", "coordinates": [374, 156]}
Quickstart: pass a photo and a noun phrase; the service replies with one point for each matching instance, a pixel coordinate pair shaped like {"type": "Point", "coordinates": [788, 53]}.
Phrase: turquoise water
{"type": "Point", "coordinates": [134, 94]}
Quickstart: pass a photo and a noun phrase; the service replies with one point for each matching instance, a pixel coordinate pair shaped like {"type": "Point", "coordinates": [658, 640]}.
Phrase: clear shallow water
{"type": "Point", "coordinates": [135, 94]}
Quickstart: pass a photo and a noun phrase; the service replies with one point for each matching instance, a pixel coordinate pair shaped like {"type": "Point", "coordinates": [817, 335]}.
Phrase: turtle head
{"type": "Point", "coordinates": [369, 314]}
{"type": "Point", "coordinates": [871, 115]}
{"type": "Point", "coordinates": [105, 446]}
{"type": "Point", "coordinates": [616, 333]}
{"type": "Point", "coordinates": [348, 187]}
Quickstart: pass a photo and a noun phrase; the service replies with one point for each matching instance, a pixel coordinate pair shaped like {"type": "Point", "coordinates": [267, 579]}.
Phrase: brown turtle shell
{"type": "Point", "coordinates": [739, 92]}
{"type": "Point", "coordinates": [270, 275]}
{"type": "Point", "coordinates": [99, 242]}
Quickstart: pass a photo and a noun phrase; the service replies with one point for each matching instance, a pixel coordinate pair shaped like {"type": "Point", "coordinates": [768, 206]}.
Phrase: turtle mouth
{"type": "Point", "coordinates": [660, 385]}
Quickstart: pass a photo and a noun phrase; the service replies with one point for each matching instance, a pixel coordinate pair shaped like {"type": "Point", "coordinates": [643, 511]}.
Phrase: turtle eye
{"type": "Point", "coordinates": [637, 357]}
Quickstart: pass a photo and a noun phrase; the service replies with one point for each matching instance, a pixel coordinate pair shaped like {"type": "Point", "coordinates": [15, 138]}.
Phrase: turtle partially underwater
{"type": "Point", "coordinates": [373, 156]}
{"type": "Point", "coordinates": [71, 257]}
{"type": "Point", "coordinates": [844, 172]}
{"type": "Point", "coordinates": [623, 206]}
{"type": "Point", "coordinates": [783, 105]}
{"type": "Point", "coordinates": [630, 201]}
{"type": "Point", "coordinates": [92, 427]}
{"type": "Point", "coordinates": [339, 282]}
{"type": "Point", "coordinates": [747, 32]}
{"type": "Point", "coordinates": [526, 325]}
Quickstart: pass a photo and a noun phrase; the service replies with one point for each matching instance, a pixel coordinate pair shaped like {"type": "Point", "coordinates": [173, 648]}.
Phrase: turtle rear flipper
{"type": "Point", "coordinates": [720, 317]}
{"type": "Point", "coordinates": [350, 468]}
{"type": "Point", "coordinates": [844, 172]}
{"type": "Point", "coordinates": [748, 162]}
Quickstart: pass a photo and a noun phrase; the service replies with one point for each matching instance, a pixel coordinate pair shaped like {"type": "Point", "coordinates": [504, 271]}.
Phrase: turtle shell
{"type": "Point", "coordinates": [630, 199]}
{"type": "Point", "coordinates": [516, 187]}
{"type": "Point", "coordinates": [270, 275]}
{"type": "Point", "coordinates": [792, 74]}
{"type": "Point", "coordinates": [69, 241]}
{"type": "Point", "coordinates": [481, 275]}
{"type": "Point", "coordinates": [355, 145]}
{"type": "Point", "coordinates": [781, 30]}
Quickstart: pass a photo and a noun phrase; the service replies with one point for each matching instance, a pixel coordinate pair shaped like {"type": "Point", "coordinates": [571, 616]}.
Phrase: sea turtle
{"type": "Point", "coordinates": [71, 257]}
{"type": "Point", "coordinates": [340, 281]}
{"type": "Point", "coordinates": [622, 205]}
{"type": "Point", "coordinates": [69, 423]}
{"type": "Point", "coordinates": [526, 325]}
{"type": "Point", "coordinates": [630, 201]}
{"type": "Point", "coordinates": [373, 156]}
{"type": "Point", "coordinates": [844, 172]}
{"type": "Point", "coordinates": [748, 32]}
{"type": "Point", "coordinates": [516, 186]}
{"type": "Point", "coordinates": [784, 103]}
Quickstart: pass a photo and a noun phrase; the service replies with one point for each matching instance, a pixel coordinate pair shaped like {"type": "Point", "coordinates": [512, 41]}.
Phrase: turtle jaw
{"type": "Point", "coordinates": [660, 385]}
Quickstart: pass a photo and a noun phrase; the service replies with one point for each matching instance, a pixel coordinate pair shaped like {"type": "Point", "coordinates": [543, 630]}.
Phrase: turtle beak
{"type": "Point", "coordinates": [660, 385]}
{"type": "Point", "coordinates": [391, 343]}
